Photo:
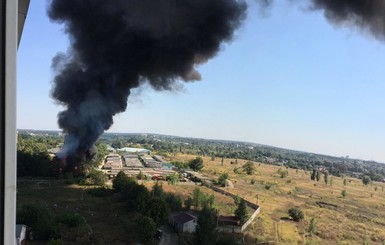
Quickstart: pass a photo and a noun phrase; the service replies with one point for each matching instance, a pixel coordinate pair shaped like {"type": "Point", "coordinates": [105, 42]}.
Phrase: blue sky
{"type": "Point", "coordinates": [289, 79]}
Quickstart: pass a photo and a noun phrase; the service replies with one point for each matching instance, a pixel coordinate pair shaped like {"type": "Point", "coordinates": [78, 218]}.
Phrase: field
{"type": "Point", "coordinates": [107, 216]}
{"type": "Point", "coordinates": [358, 218]}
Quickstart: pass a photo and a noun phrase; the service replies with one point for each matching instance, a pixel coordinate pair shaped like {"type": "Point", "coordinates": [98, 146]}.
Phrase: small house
{"type": "Point", "coordinates": [184, 222]}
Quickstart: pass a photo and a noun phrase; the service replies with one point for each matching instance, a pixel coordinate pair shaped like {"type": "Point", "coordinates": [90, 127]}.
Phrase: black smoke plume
{"type": "Point", "coordinates": [118, 44]}
{"type": "Point", "coordinates": [366, 14]}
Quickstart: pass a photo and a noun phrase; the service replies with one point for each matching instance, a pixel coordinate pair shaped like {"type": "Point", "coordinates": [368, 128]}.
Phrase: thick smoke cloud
{"type": "Point", "coordinates": [118, 44]}
{"type": "Point", "coordinates": [366, 14]}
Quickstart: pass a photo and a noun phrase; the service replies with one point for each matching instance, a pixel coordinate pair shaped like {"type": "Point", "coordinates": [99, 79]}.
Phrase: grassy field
{"type": "Point", "coordinates": [107, 216]}
{"type": "Point", "coordinates": [358, 218]}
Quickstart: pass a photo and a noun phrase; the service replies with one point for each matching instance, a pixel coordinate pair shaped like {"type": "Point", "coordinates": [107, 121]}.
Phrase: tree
{"type": "Point", "coordinates": [249, 168]}
{"type": "Point", "coordinates": [174, 202]}
{"type": "Point", "coordinates": [241, 212]}
{"type": "Point", "coordinates": [146, 229]}
{"type": "Point", "coordinates": [157, 191]}
{"type": "Point", "coordinates": [326, 177]}
{"type": "Point", "coordinates": [120, 181]}
{"type": "Point", "coordinates": [197, 197]}
{"type": "Point", "coordinates": [318, 175]}
{"type": "Point", "coordinates": [237, 200]}
{"type": "Point", "coordinates": [366, 180]}
{"type": "Point", "coordinates": [187, 203]}
{"type": "Point", "coordinates": [158, 210]}
{"type": "Point", "coordinates": [222, 179]}
{"type": "Point", "coordinates": [97, 177]}
{"type": "Point", "coordinates": [345, 181]}
{"type": "Point", "coordinates": [296, 214]}
{"type": "Point", "coordinates": [313, 175]}
{"type": "Point", "coordinates": [173, 179]}
{"type": "Point", "coordinates": [196, 164]}
{"type": "Point", "coordinates": [205, 233]}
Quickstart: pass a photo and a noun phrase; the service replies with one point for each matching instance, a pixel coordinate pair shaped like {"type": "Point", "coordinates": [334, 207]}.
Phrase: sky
{"type": "Point", "coordinates": [289, 79]}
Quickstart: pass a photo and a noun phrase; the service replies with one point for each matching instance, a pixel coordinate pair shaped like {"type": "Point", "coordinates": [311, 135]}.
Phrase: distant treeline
{"type": "Point", "coordinates": [169, 145]}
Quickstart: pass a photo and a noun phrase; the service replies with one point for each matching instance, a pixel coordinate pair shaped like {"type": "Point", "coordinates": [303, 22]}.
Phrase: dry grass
{"type": "Point", "coordinates": [357, 218]}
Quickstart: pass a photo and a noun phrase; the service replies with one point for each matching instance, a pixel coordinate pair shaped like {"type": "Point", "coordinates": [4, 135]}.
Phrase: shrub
{"type": "Point", "coordinates": [343, 193]}
{"type": "Point", "coordinates": [296, 214]}
{"type": "Point", "coordinates": [222, 179]}
{"type": "Point", "coordinates": [283, 173]}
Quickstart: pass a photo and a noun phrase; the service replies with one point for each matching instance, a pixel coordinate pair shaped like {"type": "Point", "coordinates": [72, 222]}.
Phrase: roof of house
{"type": "Point", "coordinates": [184, 218]}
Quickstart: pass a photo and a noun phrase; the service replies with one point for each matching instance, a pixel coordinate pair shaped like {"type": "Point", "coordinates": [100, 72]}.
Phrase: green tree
{"type": "Point", "coordinates": [249, 168]}
{"type": "Point", "coordinates": [296, 214]}
{"type": "Point", "coordinates": [241, 212]}
{"type": "Point", "coordinates": [318, 175]}
{"type": "Point", "coordinates": [313, 175]}
{"type": "Point", "coordinates": [173, 179]}
{"type": "Point", "coordinates": [146, 229]}
{"type": "Point", "coordinates": [196, 164]}
{"type": "Point", "coordinates": [205, 233]}
{"type": "Point", "coordinates": [158, 210]}
{"type": "Point", "coordinates": [366, 180]}
{"type": "Point", "coordinates": [197, 197]}
{"type": "Point", "coordinates": [120, 181]}
{"type": "Point", "coordinates": [118, 143]}
{"type": "Point", "coordinates": [222, 179]}
{"type": "Point", "coordinates": [157, 191]}
{"type": "Point", "coordinates": [207, 200]}
{"type": "Point", "coordinates": [326, 177]}
{"type": "Point", "coordinates": [174, 202]}
{"type": "Point", "coordinates": [187, 203]}
{"type": "Point", "coordinates": [97, 177]}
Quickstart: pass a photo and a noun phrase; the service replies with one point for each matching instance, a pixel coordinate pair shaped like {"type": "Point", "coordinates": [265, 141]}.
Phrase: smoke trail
{"type": "Point", "coordinates": [118, 44]}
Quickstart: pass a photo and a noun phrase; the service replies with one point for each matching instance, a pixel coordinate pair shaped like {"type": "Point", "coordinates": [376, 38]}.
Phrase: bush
{"type": "Point", "coordinates": [344, 193]}
{"type": "Point", "coordinates": [222, 179]}
{"type": "Point", "coordinates": [97, 177]}
{"type": "Point", "coordinates": [39, 219]}
{"type": "Point", "coordinates": [296, 214]}
{"type": "Point", "coordinates": [196, 164]}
